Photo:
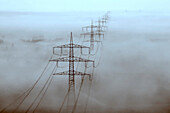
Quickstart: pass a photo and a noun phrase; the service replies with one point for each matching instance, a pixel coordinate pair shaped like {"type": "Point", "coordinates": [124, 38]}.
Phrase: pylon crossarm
{"type": "Point", "coordinates": [62, 73]}
{"type": "Point", "coordinates": [85, 33]}
{"type": "Point", "coordinates": [75, 59]}
{"type": "Point", "coordinates": [79, 46]}
{"type": "Point", "coordinates": [100, 31]}
{"type": "Point", "coordinates": [81, 73]}
{"type": "Point", "coordinates": [63, 46]}
{"type": "Point", "coordinates": [89, 26]}
{"type": "Point", "coordinates": [104, 19]}
{"type": "Point", "coordinates": [63, 59]}
{"type": "Point", "coordinates": [89, 33]}
{"type": "Point", "coordinates": [69, 45]}
{"type": "Point", "coordinates": [78, 59]}
{"type": "Point", "coordinates": [75, 73]}
{"type": "Point", "coordinates": [93, 41]}
{"type": "Point", "coordinates": [103, 26]}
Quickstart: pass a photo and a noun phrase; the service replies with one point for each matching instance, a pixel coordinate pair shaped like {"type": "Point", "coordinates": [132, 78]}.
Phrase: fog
{"type": "Point", "coordinates": [133, 72]}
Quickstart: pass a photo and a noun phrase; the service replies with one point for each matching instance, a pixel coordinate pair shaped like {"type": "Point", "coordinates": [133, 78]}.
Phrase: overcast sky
{"type": "Point", "coordinates": [83, 5]}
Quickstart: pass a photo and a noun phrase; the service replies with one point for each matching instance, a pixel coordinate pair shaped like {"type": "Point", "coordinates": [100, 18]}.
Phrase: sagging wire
{"type": "Point", "coordinates": [99, 57]}
{"type": "Point", "coordinates": [4, 109]}
{"type": "Point", "coordinates": [43, 94]}
{"type": "Point", "coordinates": [28, 90]}
{"type": "Point", "coordinates": [40, 91]}
{"type": "Point", "coordinates": [74, 108]}
{"type": "Point", "coordinates": [59, 111]}
{"type": "Point", "coordinates": [31, 87]}
{"type": "Point", "coordinates": [96, 57]}
{"type": "Point", "coordinates": [82, 81]}
{"type": "Point", "coordinates": [88, 93]}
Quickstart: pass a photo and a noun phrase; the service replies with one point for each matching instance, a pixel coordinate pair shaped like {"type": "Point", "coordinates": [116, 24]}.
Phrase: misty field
{"type": "Point", "coordinates": [133, 74]}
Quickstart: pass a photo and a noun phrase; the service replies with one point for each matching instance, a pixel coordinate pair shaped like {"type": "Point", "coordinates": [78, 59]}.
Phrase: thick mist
{"type": "Point", "coordinates": [133, 72]}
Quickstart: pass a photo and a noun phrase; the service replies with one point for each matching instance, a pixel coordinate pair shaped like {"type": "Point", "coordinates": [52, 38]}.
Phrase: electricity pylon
{"type": "Point", "coordinates": [102, 22]}
{"type": "Point", "coordinates": [92, 32]}
{"type": "Point", "coordinates": [105, 18]}
{"type": "Point", "coordinates": [101, 28]}
{"type": "Point", "coordinates": [72, 72]}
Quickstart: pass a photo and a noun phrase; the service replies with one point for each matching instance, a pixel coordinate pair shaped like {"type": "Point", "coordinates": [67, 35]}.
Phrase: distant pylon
{"type": "Point", "coordinates": [91, 31]}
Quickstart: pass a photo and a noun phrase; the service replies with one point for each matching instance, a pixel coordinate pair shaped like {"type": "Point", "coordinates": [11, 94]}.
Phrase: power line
{"type": "Point", "coordinates": [63, 101]}
{"type": "Point", "coordinates": [40, 91]}
{"type": "Point", "coordinates": [43, 94]}
{"type": "Point", "coordinates": [31, 88]}
{"type": "Point", "coordinates": [88, 94]}
{"type": "Point", "coordinates": [71, 59]}
{"type": "Point", "coordinates": [75, 104]}
{"type": "Point", "coordinates": [94, 30]}
{"type": "Point", "coordinates": [4, 109]}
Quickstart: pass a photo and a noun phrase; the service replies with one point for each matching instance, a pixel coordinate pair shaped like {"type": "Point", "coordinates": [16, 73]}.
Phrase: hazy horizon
{"type": "Point", "coordinates": [133, 71]}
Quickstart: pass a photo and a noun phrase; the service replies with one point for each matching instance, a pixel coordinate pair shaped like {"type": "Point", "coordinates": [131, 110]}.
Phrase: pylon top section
{"type": "Point", "coordinates": [71, 39]}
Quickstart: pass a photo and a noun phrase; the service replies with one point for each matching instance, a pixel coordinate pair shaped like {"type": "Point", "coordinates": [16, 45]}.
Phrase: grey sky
{"type": "Point", "coordinates": [83, 5]}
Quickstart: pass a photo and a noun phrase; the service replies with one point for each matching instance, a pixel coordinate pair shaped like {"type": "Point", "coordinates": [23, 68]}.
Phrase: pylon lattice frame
{"type": "Point", "coordinates": [71, 59]}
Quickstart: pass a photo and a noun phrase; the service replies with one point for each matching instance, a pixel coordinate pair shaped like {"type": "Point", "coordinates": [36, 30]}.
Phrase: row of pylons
{"type": "Point", "coordinates": [92, 34]}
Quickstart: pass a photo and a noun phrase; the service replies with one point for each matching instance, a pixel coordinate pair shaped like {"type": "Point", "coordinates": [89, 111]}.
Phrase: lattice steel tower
{"type": "Point", "coordinates": [92, 31]}
{"type": "Point", "coordinates": [72, 72]}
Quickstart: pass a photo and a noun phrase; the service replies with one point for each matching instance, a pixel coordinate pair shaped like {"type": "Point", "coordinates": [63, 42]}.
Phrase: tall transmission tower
{"type": "Point", "coordinates": [101, 28]}
{"type": "Point", "coordinates": [72, 72]}
{"type": "Point", "coordinates": [102, 22]}
{"type": "Point", "coordinates": [105, 18]}
{"type": "Point", "coordinates": [91, 31]}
